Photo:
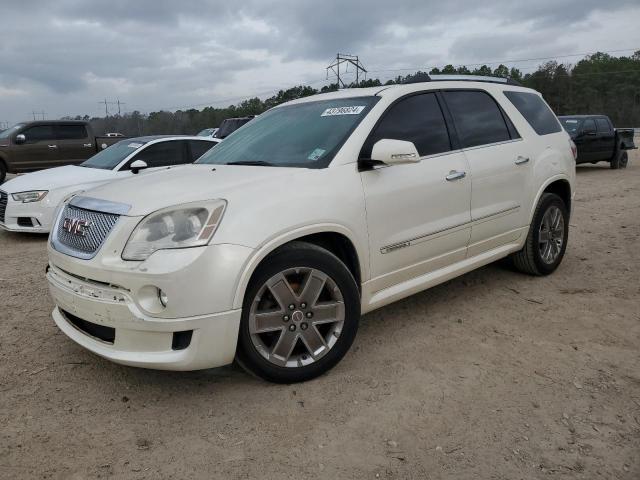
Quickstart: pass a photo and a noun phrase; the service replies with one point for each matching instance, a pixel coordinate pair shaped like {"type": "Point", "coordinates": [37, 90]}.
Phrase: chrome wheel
{"type": "Point", "coordinates": [296, 317]}
{"type": "Point", "coordinates": [551, 235]}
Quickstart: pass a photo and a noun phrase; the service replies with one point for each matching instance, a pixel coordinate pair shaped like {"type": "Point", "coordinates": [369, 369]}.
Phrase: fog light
{"type": "Point", "coordinates": [163, 298]}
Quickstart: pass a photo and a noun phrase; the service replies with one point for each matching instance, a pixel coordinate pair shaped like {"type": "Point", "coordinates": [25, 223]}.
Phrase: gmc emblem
{"type": "Point", "coordinates": [76, 226]}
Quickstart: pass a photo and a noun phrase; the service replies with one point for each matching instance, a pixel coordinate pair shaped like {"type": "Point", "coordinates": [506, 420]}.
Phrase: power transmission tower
{"type": "Point", "coordinates": [119, 103]}
{"type": "Point", "coordinates": [106, 106]}
{"type": "Point", "coordinates": [38, 113]}
{"type": "Point", "coordinates": [341, 59]}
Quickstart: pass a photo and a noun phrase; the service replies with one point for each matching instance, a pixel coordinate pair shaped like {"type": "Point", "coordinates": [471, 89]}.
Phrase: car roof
{"type": "Point", "coordinates": [151, 138]}
{"type": "Point", "coordinates": [582, 116]}
{"type": "Point", "coordinates": [399, 89]}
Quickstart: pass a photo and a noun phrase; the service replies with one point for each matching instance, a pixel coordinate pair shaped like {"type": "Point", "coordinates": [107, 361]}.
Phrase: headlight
{"type": "Point", "coordinates": [28, 197]}
{"type": "Point", "coordinates": [184, 226]}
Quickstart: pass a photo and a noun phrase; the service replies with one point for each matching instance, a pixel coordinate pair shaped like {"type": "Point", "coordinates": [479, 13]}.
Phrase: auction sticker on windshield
{"type": "Point", "coordinates": [354, 110]}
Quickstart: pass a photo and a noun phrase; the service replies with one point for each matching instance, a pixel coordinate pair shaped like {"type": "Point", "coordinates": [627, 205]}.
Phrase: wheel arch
{"type": "Point", "coordinates": [559, 185]}
{"type": "Point", "coordinates": [334, 238]}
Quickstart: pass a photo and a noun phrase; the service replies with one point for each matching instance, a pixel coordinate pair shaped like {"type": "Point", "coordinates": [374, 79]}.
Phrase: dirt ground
{"type": "Point", "coordinates": [494, 375]}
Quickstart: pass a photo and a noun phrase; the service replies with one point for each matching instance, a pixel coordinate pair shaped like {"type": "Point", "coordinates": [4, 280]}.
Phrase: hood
{"type": "Point", "coordinates": [193, 183]}
{"type": "Point", "coordinates": [53, 178]}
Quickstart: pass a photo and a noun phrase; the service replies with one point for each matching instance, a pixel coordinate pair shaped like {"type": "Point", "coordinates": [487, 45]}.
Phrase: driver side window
{"type": "Point", "coordinates": [39, 133]}
{"type": "Point", "coordinates": [162, 154]}
{"type": "Point", "coordinates": [416, 119]}
{"type": "Point", "coordinates": [588, 126]}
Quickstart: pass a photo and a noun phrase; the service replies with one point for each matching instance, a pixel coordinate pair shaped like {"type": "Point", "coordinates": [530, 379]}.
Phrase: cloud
{"type": "Point", "coordinates": [65, 56]}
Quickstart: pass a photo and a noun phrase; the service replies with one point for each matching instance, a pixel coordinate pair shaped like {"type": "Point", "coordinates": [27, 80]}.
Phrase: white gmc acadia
{"type": "Point", "coordinates": [272, 245]}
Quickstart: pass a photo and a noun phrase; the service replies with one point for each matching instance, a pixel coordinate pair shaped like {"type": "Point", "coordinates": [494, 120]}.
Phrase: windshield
{"type": "Point", "coordinates": [571, 125]}
{"type": "Point", "coordinates": [11, 130]}
{"type": "Point", "coordinates": [304, 135]}
{"type": "Point", "coordinates": [207, 132]}
{"type": "Point", "coordinates": [110, 157]}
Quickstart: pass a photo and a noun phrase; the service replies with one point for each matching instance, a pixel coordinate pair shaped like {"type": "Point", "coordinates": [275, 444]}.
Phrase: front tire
{"type": "Point", "coordinates": [299, 316]}
{"type": "Point", "coordinates": [547, 238]}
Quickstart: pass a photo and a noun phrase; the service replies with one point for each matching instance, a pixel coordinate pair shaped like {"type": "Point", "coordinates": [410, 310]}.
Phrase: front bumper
{"type": "Point", "coordinates": [34, 217]}
{"type": "Point", "coordinates": [200, 290]}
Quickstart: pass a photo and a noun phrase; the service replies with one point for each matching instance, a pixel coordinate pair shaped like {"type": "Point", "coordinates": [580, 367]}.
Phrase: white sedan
{"type": "Point", "coordinates": [28, 202]}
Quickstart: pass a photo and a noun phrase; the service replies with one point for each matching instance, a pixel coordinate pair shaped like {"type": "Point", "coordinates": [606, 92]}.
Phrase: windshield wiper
{"type": "Point", "coordinates": [254, 163]}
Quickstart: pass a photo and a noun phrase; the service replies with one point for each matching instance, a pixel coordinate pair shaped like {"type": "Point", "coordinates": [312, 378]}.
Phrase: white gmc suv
{"type": "Point", "coordinates": [272, 245]}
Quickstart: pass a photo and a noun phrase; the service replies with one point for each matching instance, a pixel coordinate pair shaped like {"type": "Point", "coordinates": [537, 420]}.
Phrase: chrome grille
{"type": "Point", "coordinates": [4, 198]}
{"type": "Point", "coordinates": [85, 246]}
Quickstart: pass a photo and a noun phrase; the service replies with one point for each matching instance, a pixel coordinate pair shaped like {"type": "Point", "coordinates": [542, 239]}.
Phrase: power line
{"type": "Point", "coordinates": [496, 62]}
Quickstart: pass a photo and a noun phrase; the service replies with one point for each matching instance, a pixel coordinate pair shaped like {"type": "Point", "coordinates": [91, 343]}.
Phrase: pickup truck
{"type": "Point", "coordinates": [31, 146]}
{"type": "Point", "coordinates": [597, 140]}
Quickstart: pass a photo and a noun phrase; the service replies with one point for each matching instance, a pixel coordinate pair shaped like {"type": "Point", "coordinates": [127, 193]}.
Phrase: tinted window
{"type": "Point", "coordinates": [199, 148]}
{"type": "Point", "coordinates": [416, 119]}
{"type": "Point", "coordinates": [588, 126]}
{"type": "Point", "coordinates": [39, 133]}
{"type": "Point", "coordinates": [535, 111]}
{"type": "Point", "coordinates": [71, 132]}
{"type": "Point", "coordinates": [603, 125]}
{"type": "Point", "coordinates": [478, 119]}
{"type": "Point", "coordinates": [571, 125]}
{"type": "Point", "coordinates": [163, 154]}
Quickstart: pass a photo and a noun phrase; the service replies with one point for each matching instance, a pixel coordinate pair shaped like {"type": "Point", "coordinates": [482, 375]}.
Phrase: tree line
{"type": "Point", "coordinates": [597, 84]}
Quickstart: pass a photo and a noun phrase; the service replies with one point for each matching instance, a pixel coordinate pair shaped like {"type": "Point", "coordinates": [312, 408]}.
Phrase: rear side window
{"type": "Point", "coordinates": [416, 119]}
{"type": "Point", "coordinates": [70, 132]}
{"type": "Point", "coordinates": [199, 148]}
{"type": "Point", "coordinates": [39, 133]}
{"type": "Point", "coordinates": [603, 125]}
{"type": "Point", "coordinates": [163, 154]}
{"type": "Point", "coordinates": [535, 111]}
{"type": "Point", "coordinates": [478, 119]}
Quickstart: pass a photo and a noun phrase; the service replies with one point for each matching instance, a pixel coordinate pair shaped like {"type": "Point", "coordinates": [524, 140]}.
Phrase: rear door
{"type": "Point", "coordinates": [418, 219]}
{"type": "Point", "coordinates": [39, 151]}
{"type": "Point", "coordinates": [74, 144]}
{"type": "Point", "coordinates": [499, 165]}
{"type": "Point", "coordinates": [606, 138]}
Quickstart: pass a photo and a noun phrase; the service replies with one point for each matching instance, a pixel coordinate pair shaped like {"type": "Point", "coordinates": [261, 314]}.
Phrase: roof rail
{"type": "Point", "coordinates": [424, 77]}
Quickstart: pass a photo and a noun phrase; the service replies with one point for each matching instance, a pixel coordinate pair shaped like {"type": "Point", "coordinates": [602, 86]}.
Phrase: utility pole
{"type": "Point", "coordinates": [106, 106]}
{"type": "Point", "coordinates": [342, 58]}
{"type": "Point", "coordinates": [38, 113]}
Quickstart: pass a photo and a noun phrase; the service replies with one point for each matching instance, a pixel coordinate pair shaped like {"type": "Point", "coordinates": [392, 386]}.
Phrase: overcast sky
{"type": "Point", "coordinates": [65, 56]}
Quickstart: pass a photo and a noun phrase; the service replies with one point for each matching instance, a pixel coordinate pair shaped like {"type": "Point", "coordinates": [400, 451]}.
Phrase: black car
{"type": "Point", "coordinates": [597, 140]}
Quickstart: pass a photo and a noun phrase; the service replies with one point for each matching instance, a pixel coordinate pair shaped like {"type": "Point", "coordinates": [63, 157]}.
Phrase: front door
{"type": "Point", "coordinates": [417, 214]}
{"type": "Point", "coordinates": [587, 141]}
{"type": "Point", "coordinates": [39, 151]}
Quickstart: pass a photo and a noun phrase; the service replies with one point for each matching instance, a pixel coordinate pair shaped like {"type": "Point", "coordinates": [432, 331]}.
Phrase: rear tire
{"type": "Point", "coordinates": [620, 160]}
{"type": "Point", "coordinates": [299, 316]}
{"type": "Point", "coordinates": [624, 160]}
{"type": "Point", "coordinates": [547, 238]}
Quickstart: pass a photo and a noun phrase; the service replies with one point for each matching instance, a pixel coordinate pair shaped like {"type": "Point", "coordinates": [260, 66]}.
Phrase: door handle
{"type": "Point", "coordinates": [521, 160]}
{"type": "Point", "coordinates": [455, 175]}
{"type": "Point", "coordinates": [52, 146]}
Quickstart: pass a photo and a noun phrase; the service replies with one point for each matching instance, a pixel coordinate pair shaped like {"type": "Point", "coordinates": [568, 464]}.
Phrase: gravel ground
{"type": "Point", "coordinates": [491, 375]}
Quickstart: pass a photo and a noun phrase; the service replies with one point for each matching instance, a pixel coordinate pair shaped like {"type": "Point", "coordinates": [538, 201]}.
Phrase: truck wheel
{"type": "Point", "coordinates": [3, 172]}
{"type": "Point", "coordinates": [624, 160]}
{"type": "Point", "coordinates": [617, 161]}
{"type": "Point", "coordinates": [299, 316]}
{"type": "Point", "coordinates": [547, 238]}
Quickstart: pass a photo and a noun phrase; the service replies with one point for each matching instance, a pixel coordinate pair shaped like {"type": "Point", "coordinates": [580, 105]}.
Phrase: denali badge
{"type": "Point", "coordinates": [76, 226]}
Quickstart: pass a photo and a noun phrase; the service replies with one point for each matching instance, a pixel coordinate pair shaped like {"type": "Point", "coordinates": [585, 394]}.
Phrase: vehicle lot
{"type": "Point", "coordinates": [491, 375]}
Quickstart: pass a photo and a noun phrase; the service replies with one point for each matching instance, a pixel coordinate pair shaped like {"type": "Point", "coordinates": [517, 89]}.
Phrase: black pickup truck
{"type": "Point", "coordinates": [31, 146]}
{"type": "Point", "coordinates": [597, 140]}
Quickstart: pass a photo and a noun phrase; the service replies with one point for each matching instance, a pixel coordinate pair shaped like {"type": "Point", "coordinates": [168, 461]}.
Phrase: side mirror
{"type": "Point", "coordinates": [138, 165]}
{"type": "Point", "coordinates": [20, 139]}
{"type": "Point", "coordinates": [394, 152]}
